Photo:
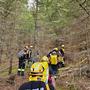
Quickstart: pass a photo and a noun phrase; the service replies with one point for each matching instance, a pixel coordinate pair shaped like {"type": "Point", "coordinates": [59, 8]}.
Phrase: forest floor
{"type": "Point", "coordinates": [64, 81]}
{"type": "Point", "coordinates": [68, 77]}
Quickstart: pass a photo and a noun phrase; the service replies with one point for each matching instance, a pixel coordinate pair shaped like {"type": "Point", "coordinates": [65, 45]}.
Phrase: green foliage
{"type": "Point", "coordinates": [26, 20]}
{"type": "Point", "coordinates": [58, 13]}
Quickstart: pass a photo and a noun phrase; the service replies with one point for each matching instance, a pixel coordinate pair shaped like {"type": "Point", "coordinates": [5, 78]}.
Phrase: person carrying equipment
{"type": "Point", "coordinates": [29, 56]}
{"type": "Point", "coordinates": [22, 55]}
{"type": "Point", "coordinates": [40, 72]}
{"type": "Point", "coordinates": [37, 81]}
{"type": "Point", "coordinates": [60, 61]}
{"type": "Point", "coordinates": [53, 60]}
{"type": "Point", "coordinates": [61, 57]}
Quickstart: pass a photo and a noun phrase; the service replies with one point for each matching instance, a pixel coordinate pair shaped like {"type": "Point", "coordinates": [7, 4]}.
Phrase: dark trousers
{"type": "Point", "coordinates": [21, 66]}
{"type": "Point", "coordinates": [54, 68]}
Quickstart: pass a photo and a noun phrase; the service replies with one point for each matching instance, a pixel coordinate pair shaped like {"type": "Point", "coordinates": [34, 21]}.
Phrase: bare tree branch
{"type": "Point", "coordinates": [81, 5]}
{"type": "Point", "coordinates": [84, 2]}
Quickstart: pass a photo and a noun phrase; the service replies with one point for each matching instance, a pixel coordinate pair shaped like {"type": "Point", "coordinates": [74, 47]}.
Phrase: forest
{"type": "Point", "coordinates": [46, 24]}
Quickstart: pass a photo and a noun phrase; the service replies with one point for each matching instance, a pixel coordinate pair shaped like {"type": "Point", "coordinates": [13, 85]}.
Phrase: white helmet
{"type": "Point", "coordinates": [62, 46]}
{"type": "Point", "coordinates": [31, 46]}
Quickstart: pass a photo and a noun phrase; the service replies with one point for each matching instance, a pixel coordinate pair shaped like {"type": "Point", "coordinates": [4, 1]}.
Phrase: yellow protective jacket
{"type": "Point", "coordinates": [60, 59]}
{"type": "Point", "coordinates": [53, 59]}
{"type": "Point", "coordinates": [44, 76]}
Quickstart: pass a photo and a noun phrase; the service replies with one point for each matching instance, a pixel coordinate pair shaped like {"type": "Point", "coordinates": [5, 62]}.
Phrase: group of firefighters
{"type": "Point", "coordinates": [42, 72]}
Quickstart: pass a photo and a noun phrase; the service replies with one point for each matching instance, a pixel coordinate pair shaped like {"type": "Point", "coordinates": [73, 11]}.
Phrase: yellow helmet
{"type": "Point", "coordinates": [44, 58]}
{"type": "Point", "coordinates": [37, 69]}
{"type": "Point", "coordinates": [55, 49]}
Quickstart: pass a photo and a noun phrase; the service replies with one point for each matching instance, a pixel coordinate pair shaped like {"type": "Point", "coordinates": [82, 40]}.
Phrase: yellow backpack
{"type": "Point", "coordinates": [40, 72]}
{"type": "Point", "coordinates": [53, 59]}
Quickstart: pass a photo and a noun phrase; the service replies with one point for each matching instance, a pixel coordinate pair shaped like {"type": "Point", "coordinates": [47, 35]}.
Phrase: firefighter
{"type": "Point", "coordinates": [22, 55]}
{"type": "Point", "coordinates": [37, 79]}
{"type": "Point", "coordinates": [40, 72]}
{"type": "Point", "coordinates": [60, 61]}
{"type": "Point", "coordinates": [29, 55]}
{"type": "Point", "coordinates": [61, 58]}
{"type": "Point", "coordinates": [53, 60]}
